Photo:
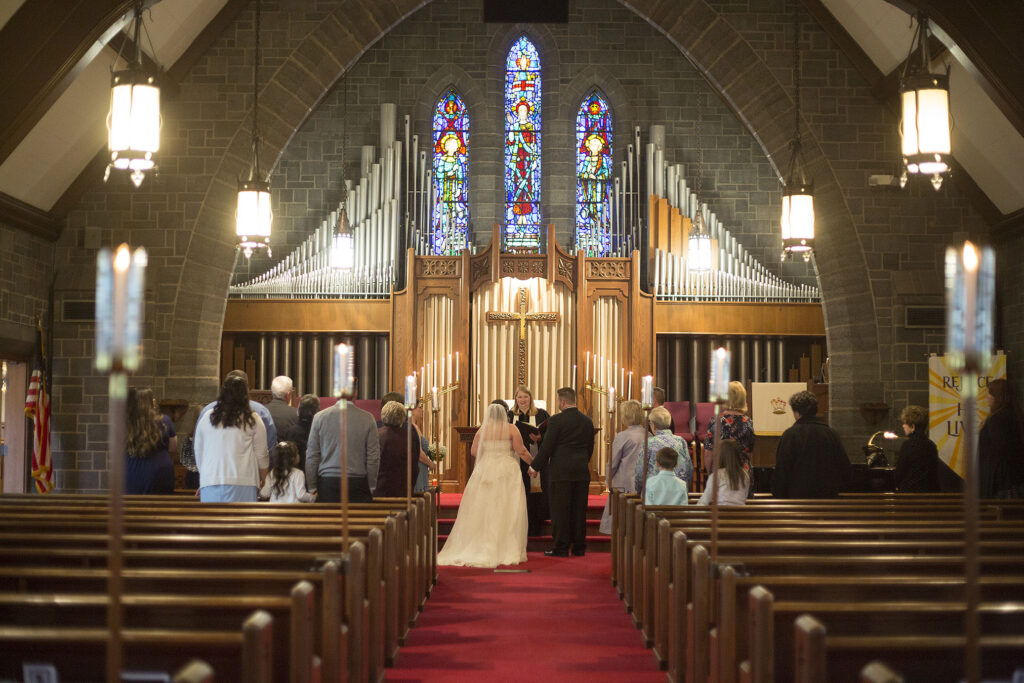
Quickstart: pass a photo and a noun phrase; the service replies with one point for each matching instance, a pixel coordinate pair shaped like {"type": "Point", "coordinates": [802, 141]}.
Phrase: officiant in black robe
{"type": "Point", "coordinates": [528, 417]}
{"type": "Point", "coordinates": [565, 458]}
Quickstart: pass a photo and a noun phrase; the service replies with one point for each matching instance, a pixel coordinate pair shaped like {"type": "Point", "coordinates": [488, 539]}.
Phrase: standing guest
{"type": "Point", "coordinates": [524, 413]}
{"type": "Point", "coordinates": [810, 461]}
{"type": "Point", "coordinates": [298, 434]}
{"type": "Point", "coordinates": [663, 437]}
{"type": "Point", "coordinates": [286, 483]}
{"type": "Point", "coordinates": [323, 455]}
{"type": "Point", "coordinates": [281, 410]}
{"type": "Point", "coordinates": [231, 447]}
{"type": "Point", "coordinates": [731, 477]}
{"type": "Point", "coordinates": [396, 467]}
{"type": "Point", "coordinates": [255, 406]}
{"type": "Point", "coordinates": [388, 398]}
{"type": "Point", "coordinates": [150, 441]}
{"type": "Point", "coordinates": [425, 463]}
{"type": "Point", "coordinates": [626, 450]}
{"type": "Point", "coordinates": [565, 453]}
{"type": "Point", "coordinates": [659, 401]}
{"type": "Point", "coordinates": [917, 465]}
{"type": "Point", "coordinates": [1001, 445]}
{"type": "Point", "coordinates": [665, 488]}
{"type": "Point", "coordinates": [733, 423]}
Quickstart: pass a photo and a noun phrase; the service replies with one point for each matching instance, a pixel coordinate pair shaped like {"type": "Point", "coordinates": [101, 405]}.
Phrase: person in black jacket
{"type": "Point", "coordinates": [1001, 445]}
{"type": "Point", "coordinates": [524, 413]}
{"type": "Point", "coordinates": [917, 465]}
{"type": "Point", "coordinates": [565, 458]}
{"type": "Point", "coordinates": [810, 461]}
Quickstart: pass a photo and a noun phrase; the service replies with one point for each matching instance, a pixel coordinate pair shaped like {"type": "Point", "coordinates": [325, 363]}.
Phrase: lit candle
{"type": "Point", "coordinates": [3, 393]}
{"type": "Point", "coordinates": [647, 391]}
{"type": "Point", "coordinates": [609, 372]}
{"type": "Point", "coordinates": [586, 376]}
{"type": "Point", "coordinates": [611, 399]}
{"type": "Point", "coordinates": [719, 384]}
{"type": "Point", "coordinates": [630, 388]}
{"type": "Point", "coordinates": [410, 391]}
{"type": "Point", "coordinates": [449, 377]}
{"type": "Point", "coordinates": [344, 371]}
{"type": "Point", "coordinates": [433, 374]}
{"type": "Point", "coordinates": [433, 397]}
{"type": "Point", "coordinates": [133, 310]}
{"type": "Point", "coordinates": [572, 378]}
{"type": "Point", "coordinates": [104, 310]}
{"type": "Point", "coordinates": [457, 373]}
{"type": "Point", "coordinates": [119, 296]}
{"type": "Point", "coordinates": [622, 377]}
{"type": "Point", "coordinates": [122, 262]}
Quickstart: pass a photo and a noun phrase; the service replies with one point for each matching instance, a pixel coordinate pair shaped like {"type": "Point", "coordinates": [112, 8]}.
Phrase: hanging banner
{"type": "Point", "coordinates": [945, 410]}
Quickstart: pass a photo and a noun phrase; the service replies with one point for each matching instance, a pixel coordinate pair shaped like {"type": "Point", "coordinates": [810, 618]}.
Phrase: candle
{"type": "Point", "coordinates": [572, 378]}
{"type": "Point", "coordinates": [449, 377]}
{"type": "Point", "coordinates": [611, 399]}
{"type": "Point", "coordinates": [457, 367]}
{"type": "Point", "coordinates": [630, 388]}
{"type": "Point", "coordinates": [104, 311]}
{"type": "Point", "coordinates": [119, 296]}
{"type": "Point", "coordinates": [433, 397]}
{"type": "Point", "coordinates": [647, 391]}
{"type": "Point", "coordinates": [122, 262]}
{"type": "Point", "coordinates": [410, 391]}
{"type": "Point", "coordinates": [609, 372]}
{"type": "Point", "coordinates": [586, 376]}
{"type": "Point", "coordinates": [718, 390]}
{"type": "Point", "coordinates": [344, 371]}
{"type": "Point", "coordinates": [433, 374]}
{"type": "Point", "coordinates": [622, 377]}
{"type": "Point", "coordinates": [133, 311]}
{"type": "Point", "coordinates": [3, 392]}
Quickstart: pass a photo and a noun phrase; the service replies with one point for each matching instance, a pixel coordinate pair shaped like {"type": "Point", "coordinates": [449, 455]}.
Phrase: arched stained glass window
{"type": "Point", "coordinates": [593, 175]}
{"type": "Point", "coordinates": [450, 220]}
{"type": "Point", "coordinates": [522, 146]}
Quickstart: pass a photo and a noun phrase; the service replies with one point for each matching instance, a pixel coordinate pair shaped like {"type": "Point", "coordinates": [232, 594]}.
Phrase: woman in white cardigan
{"type": "Point", "coordinates": [231, 448]}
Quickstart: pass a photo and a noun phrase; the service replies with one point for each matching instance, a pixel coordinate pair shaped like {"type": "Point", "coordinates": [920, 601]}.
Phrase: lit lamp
{"type": "Point", "coordinates": [699, 249]}
{"type": "Point", "coordinates": [797, 191]}
{"type": "Point", "coordinates": [924, 127]}
{"type": "Point", "coordinates": [253, 214]}
{"type": "Point", "coordinates": [133, 122]}
{"type": "Point", "coordinates": [343, 253]}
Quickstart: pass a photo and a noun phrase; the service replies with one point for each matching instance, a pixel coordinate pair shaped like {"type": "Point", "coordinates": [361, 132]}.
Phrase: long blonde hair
{"type": "Point", "coordinates": [532, 410]}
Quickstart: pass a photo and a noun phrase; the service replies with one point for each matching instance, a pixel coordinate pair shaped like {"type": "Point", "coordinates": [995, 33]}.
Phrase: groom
{"type": "Point", "coordinates": [565, 455]}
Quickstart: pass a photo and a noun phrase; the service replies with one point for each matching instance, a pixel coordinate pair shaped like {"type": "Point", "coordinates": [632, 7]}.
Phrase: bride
{"type": "Point", "coordinates": [490, 528]}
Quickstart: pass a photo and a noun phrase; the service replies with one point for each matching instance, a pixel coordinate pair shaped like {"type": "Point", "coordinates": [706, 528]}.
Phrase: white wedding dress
{"type": "Point", "coordinates": [491, 525]}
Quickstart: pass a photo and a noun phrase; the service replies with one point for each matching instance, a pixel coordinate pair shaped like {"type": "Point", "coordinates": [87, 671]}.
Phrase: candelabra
{"type": "Point", "coordinates": [442, 378]}
{"type": "Point", "coordinates": [118, 350]}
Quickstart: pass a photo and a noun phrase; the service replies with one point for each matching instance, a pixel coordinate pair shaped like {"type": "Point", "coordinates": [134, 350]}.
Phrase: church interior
{"type": "Point", "coordinates": [481, 196]}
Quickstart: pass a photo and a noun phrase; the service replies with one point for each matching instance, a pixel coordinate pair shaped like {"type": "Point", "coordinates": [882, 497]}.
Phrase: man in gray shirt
{"type": "Point", "coordinates": [323, 455]}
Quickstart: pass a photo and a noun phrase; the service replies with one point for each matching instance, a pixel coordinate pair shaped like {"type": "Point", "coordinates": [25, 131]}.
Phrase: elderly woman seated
{"type": "Point", "coordinates": [396, 467]}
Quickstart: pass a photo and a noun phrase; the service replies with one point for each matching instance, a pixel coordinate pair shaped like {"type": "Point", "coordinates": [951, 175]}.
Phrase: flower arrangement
{"type": "Point", "coordinates": [437, 452]}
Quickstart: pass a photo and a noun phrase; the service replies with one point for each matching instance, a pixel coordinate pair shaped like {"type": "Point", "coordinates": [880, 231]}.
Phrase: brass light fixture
{"type": "Point", "coordinates": [698, 253]}
{"type": "Point", "coordinates": [925, 125]}
{"type": "Point", "coordinates": [797, 191]}
{"type": "Point", "coordinates": [133, 122]}
{"type": "Point", "coordinates": [253, 215]}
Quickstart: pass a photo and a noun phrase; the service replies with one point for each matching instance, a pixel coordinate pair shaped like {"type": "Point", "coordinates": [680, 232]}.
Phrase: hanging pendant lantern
{"type": "Point", "coordinates": [925, 125]}
{"type": "Point", "coordinates": [698, 254]}
{"type": "Point", "coordinates": [797, 220]}
{"type": "Point", "coordinates": [343, 253]}
{"type": "Point", "coordinates": [133, 122]}
{"type": "Point", "coordinates": [253, 213]}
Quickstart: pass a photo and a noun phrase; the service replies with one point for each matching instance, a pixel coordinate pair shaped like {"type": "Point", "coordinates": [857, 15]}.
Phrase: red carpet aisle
{"type": "Point", "coordinates": [560, 622]}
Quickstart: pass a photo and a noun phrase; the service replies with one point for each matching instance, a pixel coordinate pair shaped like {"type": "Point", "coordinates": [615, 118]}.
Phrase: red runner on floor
{"type": "Point", "coordinates": [562, 621]}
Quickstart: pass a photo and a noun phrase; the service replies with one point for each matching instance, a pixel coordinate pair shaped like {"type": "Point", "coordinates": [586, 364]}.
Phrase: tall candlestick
{"type": "Point", "coordinates": [344, 371]}
{"type": "Point", "coordinates": [719, 384]}
{"type": "Point", "coordinates": [433, 398]}
{"type": "Point", "coordinates": [3, 392]}
{"type": "Point", "coordinates": [647, 391]}
{"type": "Point", "coordinates": [410, 391]}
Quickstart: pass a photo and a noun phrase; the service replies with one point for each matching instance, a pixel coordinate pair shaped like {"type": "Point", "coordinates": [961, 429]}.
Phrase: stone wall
{"type": "Point", "coordinates": [878, 250]}
{"type": "Point", "coordinates": [26, 273]}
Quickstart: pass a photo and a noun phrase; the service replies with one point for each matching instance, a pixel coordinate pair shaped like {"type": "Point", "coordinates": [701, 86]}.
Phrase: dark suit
{"type": "Point", "coordinates": [565, 458]}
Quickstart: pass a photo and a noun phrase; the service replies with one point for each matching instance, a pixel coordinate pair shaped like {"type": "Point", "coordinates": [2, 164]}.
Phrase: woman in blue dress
{"type": "Point", "coordinates": [149, 442]}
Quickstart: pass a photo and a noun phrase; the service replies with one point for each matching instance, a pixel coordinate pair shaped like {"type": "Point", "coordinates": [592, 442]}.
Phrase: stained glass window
{"type": "Point", "coordinates": [522, 146]}
{"type": "Point", "coordinates": [593, 175]}
{"type": "Point", "coordinates": [450, 220]}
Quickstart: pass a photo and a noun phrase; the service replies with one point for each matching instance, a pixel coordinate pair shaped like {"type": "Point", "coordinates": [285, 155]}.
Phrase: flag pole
{"type": "Point", "coordinates": [3, 421]}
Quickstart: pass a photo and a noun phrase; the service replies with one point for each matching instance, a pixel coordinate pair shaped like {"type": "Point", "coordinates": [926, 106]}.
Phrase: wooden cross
{"type": "Point", "coordinates": [523, 317]}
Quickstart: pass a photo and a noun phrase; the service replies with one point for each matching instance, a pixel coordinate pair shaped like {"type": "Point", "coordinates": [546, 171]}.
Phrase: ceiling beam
{"type": "Point", "coordinates": [27, 218]}
{"type": "Point", "coordinates": [43, 48]}
{"type": "Point", "coordinates": [887, 89]}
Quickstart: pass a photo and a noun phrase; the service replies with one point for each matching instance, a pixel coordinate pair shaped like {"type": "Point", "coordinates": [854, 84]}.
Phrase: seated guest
{"type": "Point", "coordinates": [231, 447]}
{"type": "Point", "coordinates": [626, 450]}
{"type": "Point", "coordinates": [810, 461]}
{"type": "Point", "coordinates": [917, 465]}
{"type": "Point", "coordinates": [663, 438]}
{"type": "Point", "coordinates": [665, 488]}
{"type": "Point", "coordinates": [298, 433]}
{"type": "Point", "coordinates": [396, 465]}
{"type": "Point", "coordinates": [659, 401]}
{"type": "Point", "coordinates": [731, 477]}
{"type": "Point", "coordinates": [280, 406]}
{"type": "Point", "coordinates": [1001, 445]}
{"type": "Point", "coordinates": [150, 441]}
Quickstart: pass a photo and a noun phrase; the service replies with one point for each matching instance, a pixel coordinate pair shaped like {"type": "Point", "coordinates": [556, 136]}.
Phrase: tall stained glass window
{"type": "Point", "coordinates": [593, 175]}
{"type": "Point", "coordinates": [450, 220]}
{"type": "Point", "coordinates": [522, 146]}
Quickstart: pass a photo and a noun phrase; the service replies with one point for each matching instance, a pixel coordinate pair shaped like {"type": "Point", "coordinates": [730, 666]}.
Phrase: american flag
{"type": "Point", "coordinates": [37, 407]}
